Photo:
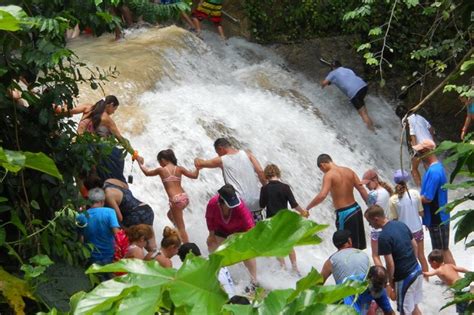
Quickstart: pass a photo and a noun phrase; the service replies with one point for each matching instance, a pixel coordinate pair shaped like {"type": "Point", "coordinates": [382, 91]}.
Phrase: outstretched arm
{"type": "Point", "coordinates": [460, 269]}
{"type": "Point", "coordinates": [81, 108]}
{"type": "Point", "coordinates": [325, 83]}
{"type": "Point", "coordinates": [213, 163]}
{"type": "Point", "coordinates": [322, 194]}
{"type": "Point", "coordinates": [430, 273]}
{"type": "Point", "coordinates": [147, 171]}
{"type": "Point", "coordinates": [257, 168]}
{"type": "Point", "coordinates": [466, 125]}
{"type": "Point", "coordinates": [360, 188]}
{"type": "Point", "coordinates": [189, 174]}
{"type": "Point", "coordinates": [108, 122]}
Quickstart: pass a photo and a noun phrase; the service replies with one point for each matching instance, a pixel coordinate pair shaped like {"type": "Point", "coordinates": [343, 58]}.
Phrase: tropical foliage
{"type": "Point", "coordinates": [148, 288]}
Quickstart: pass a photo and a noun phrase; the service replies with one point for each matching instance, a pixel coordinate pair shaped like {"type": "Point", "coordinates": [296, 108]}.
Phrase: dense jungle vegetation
{"type": "Point", "coordinates": [41, 258]}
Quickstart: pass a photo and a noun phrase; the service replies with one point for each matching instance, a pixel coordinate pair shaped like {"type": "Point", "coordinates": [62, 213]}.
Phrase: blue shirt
{"type": "Point", "coordinates": [96, 226]}
{"type": "Point", "coordinates": [433, 180]}
{"type": "Point", "coordinates": [395, 239]}
{"type": "Point", "coordinates": [364, 300]}
{"type": "Point", "coordinates": [346, 80]}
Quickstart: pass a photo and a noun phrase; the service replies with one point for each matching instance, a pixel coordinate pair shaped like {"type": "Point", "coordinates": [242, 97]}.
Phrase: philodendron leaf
{"type": "Point", "coordinates": [275, 302]}
{"type": "Point", "coordinates": [41, 162]}
{"type": "Point", "coordinates": [287, 229]}
{"type": "Point", "coordinates": [312, 278]}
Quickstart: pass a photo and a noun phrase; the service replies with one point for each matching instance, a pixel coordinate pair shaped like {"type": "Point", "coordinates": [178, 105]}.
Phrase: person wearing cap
{"type": "Point", "coordinates": [379, 194]}
{"type": "Point", "coordinates": [241, 170]}
{"type": "Point", "coordinates": [406, 207]}
{"type": "Point", "coordinates": [399, 249]}
{"type": "Point", "coordinates": [419, 130]}
{"type": "Point", "coordinates": [352, 86]}
{"type": "Point", "coordinates": [226, 214]}
{"type": "Point", "coordinates": [224, 277]}
{"type": "Point", "coordinates": [434, 197]}
{"type": "Point", "coordinates": [98, 226]}
{"type": "Point", "coordinates": [340, 182]}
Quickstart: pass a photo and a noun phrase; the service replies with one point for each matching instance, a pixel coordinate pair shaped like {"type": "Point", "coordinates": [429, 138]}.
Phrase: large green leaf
{"type": "Point", "coordinates": [312, 278]}
{"type": "Point", "coordinates": [12, 161]}
{"type": "Point", "coordinates": [464, 226]}
{"type": "Point", "coordinates": [41, 162]}
{"type": "Point", "coordinates": [196, 286]}
{"type": "Point", "coordinates": [274, 237]}
{"type": "Point", "coordinates": [10, 17]}
{"type": "Point", "coordinates": [275, 302]}
{"type": "Point", "coordinates": [328, 309]}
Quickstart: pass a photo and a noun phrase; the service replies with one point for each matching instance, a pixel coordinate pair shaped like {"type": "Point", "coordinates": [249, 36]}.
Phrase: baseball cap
{"type": "Point", "coordinates": [368, 176]}
{"type": "Point", "coordinates": [341, 237]}
{"type": "Point", "coordinates": [426, 144]}
{"type": "Point", "coordinates": [228, 195]}
{"type": "Point", "coordinates": [188, 248]}
{"type": "Point", "coordinates": [401, 176]}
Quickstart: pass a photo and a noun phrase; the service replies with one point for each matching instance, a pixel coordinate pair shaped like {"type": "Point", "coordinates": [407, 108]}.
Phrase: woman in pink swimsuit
{"type": "Point", "coordinates": [170, 174]}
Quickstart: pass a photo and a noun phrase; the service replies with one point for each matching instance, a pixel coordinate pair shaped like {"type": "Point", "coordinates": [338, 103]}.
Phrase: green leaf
{"type": "Point", "coordinates": [10, 17]}
{"type": "Point", "coordinates": [41, 260]}
{"type": "Point", "coordinates": [287, 229]}
{"type": "Point", "coordinates": [34, 204]}
{"type": "Point", "coordinates": [275, 302]}
{"type": "Point", "coordinates": [464, 227]}
{"type": "Point", "coordinates": [12, 161]}
{"type": "Point", "coordinates": [15, 220]}
{"type": "Point", "coordinates": [312, 278]}
{"type": "Point", "coordinates": [238, 309]}
{"type": "Point", "coordinates": [328, 309]}
{"type": "Point", "coordinates": [3, 199]}
{"type": "Point", "coordinates": [375, 31]}
{"type": "Point", "coordinates": [3, 235]}
{"type": "Point", "coordinates": [41, 162]}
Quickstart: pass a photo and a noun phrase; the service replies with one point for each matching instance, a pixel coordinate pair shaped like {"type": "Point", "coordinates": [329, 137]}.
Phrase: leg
{"type": "Point", "coordinates": [178, 221]}
{"type": "Point", "coordinates": [197, 25]}
{"type": "Point", "coordinates": [220, 29]}
{"type": "Point", "coordinates": [416, 311]}
{"type": "Point", "coordinates": [421, 255]}
{"type": "Point", "coordinates": [251, 265]}
{"type": "Point", "coordinates": [365, 117]}
{"type": "Point", "coordinates": [188, 20]}
{"type": "Point", "coordinates": [294, 266]}
{"type": "Point", "coordinates": [281, 261]}
{"type": "Point", "coordinates": [415, 162]}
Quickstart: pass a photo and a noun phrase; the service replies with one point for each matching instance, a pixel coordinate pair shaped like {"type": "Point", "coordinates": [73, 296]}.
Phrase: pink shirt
{"type": "Point", "coordinates": [240, 219]}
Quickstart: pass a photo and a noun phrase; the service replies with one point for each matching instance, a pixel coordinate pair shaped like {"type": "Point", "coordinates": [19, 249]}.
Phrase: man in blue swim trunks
{"type": "Point", "coordinates": [352, 86]}
{"type": "Point", "coordinates": [340, 182]}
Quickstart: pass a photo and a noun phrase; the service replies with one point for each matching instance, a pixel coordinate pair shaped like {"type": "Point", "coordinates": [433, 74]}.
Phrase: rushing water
{"type": "Point", "coordinates": [182, 93]}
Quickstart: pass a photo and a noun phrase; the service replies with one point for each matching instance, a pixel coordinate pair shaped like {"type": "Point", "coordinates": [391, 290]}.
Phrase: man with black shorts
{"type": "Point", "coordinates": [397, 245]}
{"type": "Point", "coordinates": [340, 182]}
{"type": "Point", "coordinates": [352, 86]}
{"type": "Point", "coordinates": [434, 197]}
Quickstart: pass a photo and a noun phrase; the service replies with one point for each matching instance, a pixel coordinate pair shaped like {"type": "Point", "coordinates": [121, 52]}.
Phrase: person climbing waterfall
{"type": "Point", "coordinates": [212, 11]}
{"type": "Point", "coordinates": [352, 86]}
{"type": "Point", "coordinates": [340, 182]}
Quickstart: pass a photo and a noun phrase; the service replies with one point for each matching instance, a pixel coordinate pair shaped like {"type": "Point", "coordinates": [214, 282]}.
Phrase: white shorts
{"type": "Point", "coordinates": [413, 295]}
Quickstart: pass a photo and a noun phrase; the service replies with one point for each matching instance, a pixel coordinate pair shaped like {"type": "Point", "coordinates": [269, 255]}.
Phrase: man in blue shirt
{"type": "Point", "coordinates": [434, 197]}
{"type": "Point", "coordinates": [98, 226]}
{"type": "Point", "coordinates": [397, 245]}
{"type": "Point", "coordinates": [352, 86]}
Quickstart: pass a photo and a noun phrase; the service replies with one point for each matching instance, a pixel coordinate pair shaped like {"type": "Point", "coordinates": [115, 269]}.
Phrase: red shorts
{"type": "Point", "coordinates": [208, 11]}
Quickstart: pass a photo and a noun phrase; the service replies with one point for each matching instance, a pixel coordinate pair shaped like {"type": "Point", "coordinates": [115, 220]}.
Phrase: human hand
{"type": "Point", "coordinates": [197, 163]}
{"type": "Point", "coordinates": [391, 293]}
{"type": "Point", "coordinates": [304, 213]}
{"type": "Point", "coordinates": [140, 160]}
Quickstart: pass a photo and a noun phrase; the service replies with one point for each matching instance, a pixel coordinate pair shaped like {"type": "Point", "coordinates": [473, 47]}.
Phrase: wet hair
{"type": "Point", "coordinates": [401, 111]}
{"type": "Point", "coordinates": [99, 108]}
{"type": "Point", "coordinates": [96, 194]}
{"type": "Point", "coordinates": [374, 211]}
{"type": "Point", "coordinates": [386, 186]}
{"type": "Point", "coordinates": [377, 277]}
{"type": "Point", "coordinates": [187, 248]}
{"type": "Point", "coordinates": [170, 238]}
{"type": "Point", "coordinates": [136, 232]}
{"type": "Point", "coordinates": [323, 158]}
{"type": "Point", "coordinates": [238, 299]}
{"type": "Point", "coordinates": [271, 170]}
{"type": "Point", "coordinates": [167, 155]}
{"type": "Point", "coordinates": [437, 256]}
{"type": "Point", "coordinates": [336, 64]}
{"type": "Point", "coordinates": [222, 142]}
{"type": "Point", "coordinates": [93, 181]}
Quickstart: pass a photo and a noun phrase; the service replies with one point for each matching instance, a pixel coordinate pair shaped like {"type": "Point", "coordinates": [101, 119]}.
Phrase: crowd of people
{"type": "Point", "coordinates": [120, 226]}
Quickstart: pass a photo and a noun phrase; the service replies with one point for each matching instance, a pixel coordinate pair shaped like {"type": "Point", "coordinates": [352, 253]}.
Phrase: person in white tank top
{"type": "Point", "coordinates": [379, 194]}
{"type": "Point", "coordinates": [240, 169]}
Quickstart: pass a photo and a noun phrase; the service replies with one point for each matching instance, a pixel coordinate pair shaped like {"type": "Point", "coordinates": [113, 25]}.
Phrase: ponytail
{"type": "Point", "coordinates": [99, 108]}
{"type": "Point", "coordinates": [170, 238]}
{"type": "Point", "coordinates": [386, 186]}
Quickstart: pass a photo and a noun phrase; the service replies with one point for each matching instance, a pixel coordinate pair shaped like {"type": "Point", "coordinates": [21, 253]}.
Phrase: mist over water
{"type": "Point", "coordinates": [182, 93]}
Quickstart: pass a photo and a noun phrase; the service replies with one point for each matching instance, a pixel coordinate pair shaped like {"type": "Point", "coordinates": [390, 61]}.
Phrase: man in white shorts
{"type": "Point", "coordinates": [397, 245]}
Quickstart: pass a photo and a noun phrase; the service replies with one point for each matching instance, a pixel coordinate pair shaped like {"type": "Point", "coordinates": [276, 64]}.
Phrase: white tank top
{"type": "Point", "coordinates": [239, 172]}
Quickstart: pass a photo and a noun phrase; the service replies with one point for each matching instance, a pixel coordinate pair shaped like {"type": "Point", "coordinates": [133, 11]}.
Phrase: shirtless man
{"type": "Point", "coordinates": [240, 169]}
{"type": "Point", "coordinates": [340, 182]}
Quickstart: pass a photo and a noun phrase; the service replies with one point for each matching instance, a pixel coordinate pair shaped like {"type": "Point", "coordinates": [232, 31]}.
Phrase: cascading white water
{"type": "Point", "coordinates": [186, 93]}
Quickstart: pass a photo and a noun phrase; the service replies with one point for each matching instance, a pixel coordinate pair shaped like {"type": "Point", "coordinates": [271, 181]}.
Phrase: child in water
{"type": "Point", "coordinates": [275, 196]}
{"type": "Point", "coordinates": [448, 273]}
{"type": "Point", "coordinates": [169, 247]}
{"type": "Point", "coordinates": [170, 174]}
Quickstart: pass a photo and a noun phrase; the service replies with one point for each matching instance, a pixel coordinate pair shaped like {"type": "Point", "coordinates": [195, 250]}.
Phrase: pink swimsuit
{"type": "Point", "coordinates": [180, 200]}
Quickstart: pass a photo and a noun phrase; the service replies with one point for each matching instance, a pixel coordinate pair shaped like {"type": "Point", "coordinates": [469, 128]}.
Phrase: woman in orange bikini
{"type": "Point", "coordinates": [170, 174]}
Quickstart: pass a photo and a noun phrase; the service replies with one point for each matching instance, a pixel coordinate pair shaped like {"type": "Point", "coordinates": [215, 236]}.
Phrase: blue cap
{"type": "Point", "coordinates": [228, 195]}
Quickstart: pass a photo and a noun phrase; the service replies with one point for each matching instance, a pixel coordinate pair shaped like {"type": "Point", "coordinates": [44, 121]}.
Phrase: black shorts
{"type": "Point", "coordinates": [350, 218]}
{"type": "Point", "coordinates": [142, 214]}
{"type": "Point", "coordinates": [439, 236]}
{"type": "Point", "coordinates": [358, 99]}
{"type": "Point", "coordinates": [221, 234]}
